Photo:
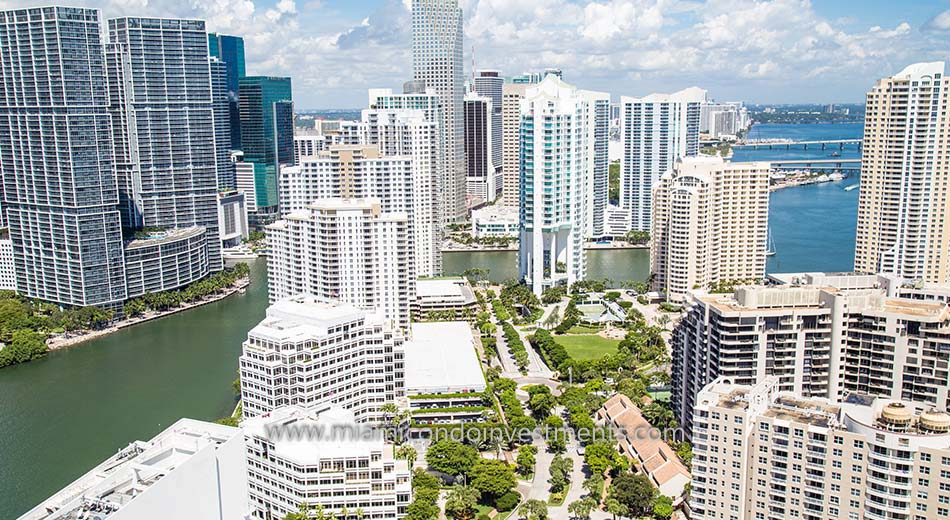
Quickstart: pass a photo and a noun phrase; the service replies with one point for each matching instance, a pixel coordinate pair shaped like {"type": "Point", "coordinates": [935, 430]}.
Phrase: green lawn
{"type": "Point", "coordinates": [587, 346]}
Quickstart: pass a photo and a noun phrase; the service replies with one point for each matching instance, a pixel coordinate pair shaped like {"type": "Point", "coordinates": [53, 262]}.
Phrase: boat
{"type": "Point", "coordinates": [835, 154]}
{"type": "Point", "coordinates": [770, 245]}
{"type": "Point", "coordinates": [852, 187]}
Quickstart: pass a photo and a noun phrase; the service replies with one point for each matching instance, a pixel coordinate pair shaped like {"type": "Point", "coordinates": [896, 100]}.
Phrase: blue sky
{"type": "Point", "coordinates": [768, 51]}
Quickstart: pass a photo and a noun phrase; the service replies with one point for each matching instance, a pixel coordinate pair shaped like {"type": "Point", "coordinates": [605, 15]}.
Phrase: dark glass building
{"type": "Point", "coordinates": [267, 133]}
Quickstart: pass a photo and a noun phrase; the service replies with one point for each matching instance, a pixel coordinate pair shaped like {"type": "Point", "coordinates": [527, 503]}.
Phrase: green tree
{"type": "Point", "coordinates": [662, 507]}
{"type": "Point", "coordinates": [422, 510]}
{"type": "Point", "coordinates": [421, 479]}
{"type": "Point", "coordinates": [540, 401]}
{"type": "Point", "coordinates": [634, 491]}
{"type": "Point", "coordinates": [595, 486]}
{"type": "Point", "coordinates": [560, 471]}
{"type": "Point", "coordinates": [600, 456]}
{"type": "Point", "coordinates": [526, 460]}
{"type": "Point", "coordinates": [451, 457]}
{"type": "Point", "coordinates": [582, 508]}
{"type": "Point", "coordinates": [492, 478]}
{"type": "Point", "coordinates": [533, 509]}
{"type": "Point", "coordinates": [615, 507]}
{"type": "Point", "coordinates": [303, 513]}
{"type": "Point", "coordinates": [461, 502]}
{"type": "Point", "coordinates": [407, 452]}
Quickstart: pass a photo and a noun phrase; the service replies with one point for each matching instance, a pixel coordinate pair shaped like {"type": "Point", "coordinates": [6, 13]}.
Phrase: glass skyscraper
{"type": "Point", "coordinates": [437, 60]}
{"type": "Point", "coordinates": [230, 51]}
{"type": "Point", "coordinates": [267, 133]}
{"type": "Point", "coordinates": [56, 157]}
{"type": "Point", "coordinates": [163, 126]}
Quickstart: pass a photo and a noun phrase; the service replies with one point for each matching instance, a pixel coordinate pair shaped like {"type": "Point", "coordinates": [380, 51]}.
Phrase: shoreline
{"type": "Point", "coordinates": [591, 246]}
{"type": "Point", "coordinates": [60, 342]}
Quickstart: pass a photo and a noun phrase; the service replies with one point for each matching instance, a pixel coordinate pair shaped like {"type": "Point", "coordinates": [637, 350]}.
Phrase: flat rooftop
{"type": "Point", "coordinates": [445, 289]}
{"type": "Point", "coordinates": [306, 316]}
{"type": "Point", "coordinates": [118, 480]}
{"type": "Point", "coordinates": [806, 411]}
{"type": "Point", "coordinates": [441, 358]}
{"type": "Point", "coordinates": [307, 435]}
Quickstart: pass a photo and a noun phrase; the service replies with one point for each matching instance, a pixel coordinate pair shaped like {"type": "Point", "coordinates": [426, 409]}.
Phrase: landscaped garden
{"type": "Point", "coordinates": [587, 346]}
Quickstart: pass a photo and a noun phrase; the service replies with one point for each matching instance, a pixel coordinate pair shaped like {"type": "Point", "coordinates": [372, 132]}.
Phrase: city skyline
{"type": "Point", "coordinates": [779, 51]}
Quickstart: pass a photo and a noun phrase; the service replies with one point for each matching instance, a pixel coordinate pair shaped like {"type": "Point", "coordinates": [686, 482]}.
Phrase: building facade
{"type": "Point", "coordinates": [904, 177]}
{"type": "Point", "coordinates": [222, 124]}
{"type": "Point", "coordinates": [655, 131]}
{"type": "Point", "coordinates": [482, 180]}
{"type": "Point", "coordinates": [495, 221]}
{"type": "Point", "coordinates": [763, 453]}
{"type": "Point", "coordinates": [437, 63]}
{"type": "Point", "coordinates": [232, 218]}
{"type": "Point", "coordinates": [512, 94]}
{"type": "Point", "coordinates": [340, 355]}
{"type": "Point", "coordinates": [710, 225]}
{"type": "Point", "coordinates": [344, 249]}
{"type": "Point", "coordinates": [490, 84]}
{"type": "Point", "coordinates": [823, 335]}
{"type": "Point", "coordinates": [267, 136]}
{"type": "Point", "coordinates": [163, 126]}
{"type": "Point", "coordinates": [59, 187]}
{"type": "Point", "coordinates": [557, 164]}
{"type": "Point", "coordinates": [230, 51]}
{"type": "Point", "coordinates": [347, 470]}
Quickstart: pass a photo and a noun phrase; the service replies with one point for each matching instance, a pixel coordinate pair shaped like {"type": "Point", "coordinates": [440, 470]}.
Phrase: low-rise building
{"type": "Point", "coordinates": [444, 299]}
{"type": "Point", "coordinates": [495, 221]}
{"type": "Point", "coordinates": [320, 456]}
{"type": "Point", "coordinates": [444, 379]}
{"type": "Point", "coordinates": [232, 218]}
{"type": "Point", "coordinates": [762, 453]}
{"type": "Point", "coordinates": [165, 260]}
{"type": "Point", "coordinates": [7, 267]}
{"type": "Point", "coordinates": [309, 351]}
{"type": "Point", "coordinates": [642, 443]}
{"type": "Point", "coordinates": [193, 469]}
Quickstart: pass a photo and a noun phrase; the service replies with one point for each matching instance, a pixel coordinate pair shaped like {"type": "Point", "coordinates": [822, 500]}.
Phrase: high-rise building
{"type": "Point", "coordinates": [344, 249]}
{"type": "Point", "coordinates": [759, 452]}
{"type": "Point", "coordinates": [163, 126]}
{"type": "Point", "coordinates": [59, 185]}
{"type": "Point", "coordinates": [512, 94]}
{"type": "Point", "coordinates": [598, 178]}
{"type": "Point", "coordinates": [904, 177]}
{"type": "Point", "coordinates": [230, 51]}
{"type": "Point", "coordinates": [558, 150]}
{"type": "Point", "coordinates": [490, 84]}
{"type": "Point", "coordinates": [530, 78]}
{"type": "Point", "coordinates": [655, 131]}
{"type": "Point", "coordinates": [482, 178]}
{"type": "Point", "coordinates": [710, 225]}
{"type": "Point", "coordinates": [267, 136]}
{"type": "Point", "coordinates": [402, 177]}
{"type": "Point", "coordinates": [437, 61]}
{"type": "Point", "coordinates": [821, 335]}
{"type": "Point", "coordinates": [222, 125]}
{"type": "Point", "coordinates": [722, 119]}
{"type": "Point", "coordinates": [342, 468]}
{"type": "Point", "coordinates": [351, 358]}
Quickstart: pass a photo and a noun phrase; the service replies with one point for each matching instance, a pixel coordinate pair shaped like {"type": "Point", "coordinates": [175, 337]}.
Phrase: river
{"type": "Point", "coordinates": [65, 413]}
{"type": "Point", "coordinates": [61, 415]}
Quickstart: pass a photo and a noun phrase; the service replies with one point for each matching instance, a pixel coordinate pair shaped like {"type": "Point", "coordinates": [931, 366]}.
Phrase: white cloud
{"type": "Point", "coordinates": [941, 22]}
{"type": "Point", "coordinates": [746, 48]}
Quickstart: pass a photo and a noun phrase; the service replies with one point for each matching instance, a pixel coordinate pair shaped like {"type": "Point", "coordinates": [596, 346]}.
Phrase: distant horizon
{"type": "Point", "coordinates": [747, 103]}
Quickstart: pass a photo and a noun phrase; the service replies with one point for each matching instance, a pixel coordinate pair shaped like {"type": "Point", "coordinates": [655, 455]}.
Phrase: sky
{"type": "Point", "coordinates": [758, 51]}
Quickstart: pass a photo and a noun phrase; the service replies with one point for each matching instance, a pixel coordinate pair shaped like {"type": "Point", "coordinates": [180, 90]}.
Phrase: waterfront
{"type": "Point", "coordinates": [616, 264]}
{"type": "Point", "coordinates": [63, 414]}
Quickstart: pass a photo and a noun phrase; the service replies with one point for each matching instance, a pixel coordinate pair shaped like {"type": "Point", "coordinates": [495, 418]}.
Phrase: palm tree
{"type": "Point", "coordinates": [461, 501]}
{"type": "Point", "coordinates": [533, 509]}
{"type": "Point", "coordinates": [614, 507]}
{"type": "Point", "coordinates": [407, 452]}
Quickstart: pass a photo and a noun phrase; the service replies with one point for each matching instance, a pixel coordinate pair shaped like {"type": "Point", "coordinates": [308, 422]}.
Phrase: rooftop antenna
{"type": "Point", "coordinates": [473, 68]}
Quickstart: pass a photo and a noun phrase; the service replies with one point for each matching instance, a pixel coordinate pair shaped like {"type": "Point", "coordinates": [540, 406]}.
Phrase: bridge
{"type": "Point", "coordinates": [819, 165]}
{"type": "Point", "coordinates": [790, 145]}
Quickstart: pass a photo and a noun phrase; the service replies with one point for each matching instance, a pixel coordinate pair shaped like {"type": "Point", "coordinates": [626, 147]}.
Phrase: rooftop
{"type": "Point", "coordinates": [116, 482]}
{"type": "Point", "coordinates": [441, 358]}
{"type": "Point", "coordinates": [307, 435]}
{"type": "Point", "coordinates": [165, 236]}
{"type": "Point", "coordinates": [306, 316]}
